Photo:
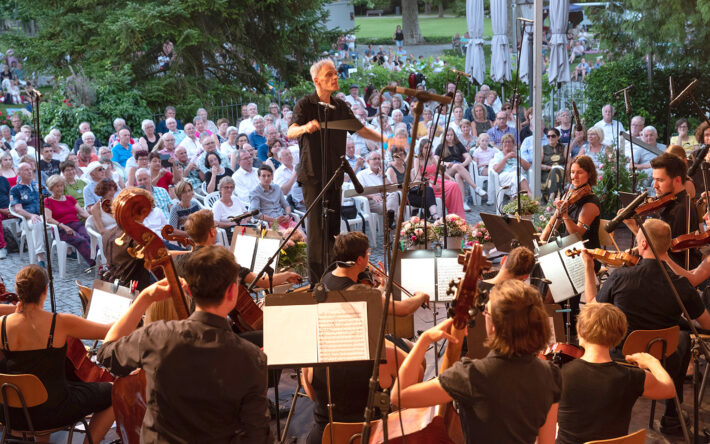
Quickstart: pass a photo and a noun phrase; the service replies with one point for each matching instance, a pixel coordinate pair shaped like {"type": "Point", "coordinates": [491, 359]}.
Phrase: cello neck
{"type": "Point", "coordinates": [176, 292]}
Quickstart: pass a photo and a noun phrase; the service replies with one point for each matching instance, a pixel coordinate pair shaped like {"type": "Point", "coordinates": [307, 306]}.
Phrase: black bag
{"type": "Point", "coordinates": [350, 212]}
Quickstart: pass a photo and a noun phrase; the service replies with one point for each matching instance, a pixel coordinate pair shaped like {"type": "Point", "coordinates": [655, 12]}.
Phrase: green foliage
{"type": "Point", "coordinates": [649, 101]}
{"type": "Point", "coordinates": [528, 206]}
{"type": "Point", "coordinates": [608, 188]}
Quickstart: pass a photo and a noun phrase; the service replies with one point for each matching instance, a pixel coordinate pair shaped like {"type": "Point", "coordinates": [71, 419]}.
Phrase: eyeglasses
{"type": "Point", "coordinates": [552, 136]}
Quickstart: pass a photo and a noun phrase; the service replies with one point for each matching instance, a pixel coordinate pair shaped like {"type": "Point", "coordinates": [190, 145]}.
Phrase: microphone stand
{"type": "Point", "coordinates": [515, 103]}
{"type": "Point", "coordinates": [436, 172]}
{"type": "Point", "coordinates": [627, 104]}
{"type": "Point", "coordinates": [439, 161]}
{"type": "Point", "coordinates": [318, 198]}
{"type": "Point", "coordinates": [36, 97]}
{"type": "Point", "coordinates": [324, 207]}
{"type": "Point", "coordinates": [373, 396]}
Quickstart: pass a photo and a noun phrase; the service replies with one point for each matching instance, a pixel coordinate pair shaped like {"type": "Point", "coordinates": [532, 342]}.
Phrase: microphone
{"type": "Point", "coordinates": [680, 97]}
{"type": "Point", "coordinates": [461, 73]}
{"type": "Point", "coordinates": [237, 219]}
{"type": "Point", "coordinates": [626, 212]}
{"type": "Point", "coordinates": [698, 160]}
{"type": "Point", "coordinates": [420, 95]}
{"type": "Point", "coordinates": [353, 178]}
{"type": "Point", "coordinates": [577, 121]}
{"type": "Point", "coordinates": [326, 105]}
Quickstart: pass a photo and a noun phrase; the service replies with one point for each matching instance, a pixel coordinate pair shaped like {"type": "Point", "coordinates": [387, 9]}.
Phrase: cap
{"type": "Point", "coordinates": [92, 166]}
{"type": "Point", "coordinates": [354, 86]}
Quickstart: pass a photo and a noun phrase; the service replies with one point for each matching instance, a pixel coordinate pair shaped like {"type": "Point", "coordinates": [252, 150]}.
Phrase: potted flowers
{"type": "Point", "coordinates": [457, 230]}
{"type": "Point", "coordinates": [412, 234]}
{"type": "Point", "coordinates": [480, 234]}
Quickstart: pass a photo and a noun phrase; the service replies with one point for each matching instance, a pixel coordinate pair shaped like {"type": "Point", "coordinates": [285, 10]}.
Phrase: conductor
{"type": "Point", "coordinates": [307, 115]}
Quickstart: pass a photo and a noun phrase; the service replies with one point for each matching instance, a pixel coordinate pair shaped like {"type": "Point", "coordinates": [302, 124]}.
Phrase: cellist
{"type": "Point", "coordinates": [509, 396]}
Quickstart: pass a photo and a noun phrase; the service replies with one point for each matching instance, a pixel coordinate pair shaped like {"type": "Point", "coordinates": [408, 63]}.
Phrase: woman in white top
{"type": "Point", "coordinates": [230, 145]}
{"type": "Point", "coordinates": [103, 221]}
{"type": "Point", "coordinates": [226, 206]}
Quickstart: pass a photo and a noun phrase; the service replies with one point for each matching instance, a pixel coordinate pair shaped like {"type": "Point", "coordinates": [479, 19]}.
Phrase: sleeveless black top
{"type": "Point", "coordinates": [398, 175]}
{"type": "Point", "coordinates": [151, 144]}
{"type": "Point", "coordinates": [592, 234]}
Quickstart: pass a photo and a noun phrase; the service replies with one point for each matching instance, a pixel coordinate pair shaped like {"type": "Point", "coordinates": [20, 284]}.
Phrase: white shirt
{"type": "Point", "coordinates": [283, 175]}
{"type": "Point", "coordinates": [244, 182]}
{"type": "Point", "coordinates": [193, 147]}
{"type": "Point", "coordinates": [221, 211]}
{"type": "Point", "coordinates": [155, 221]}
{"type": "Point", "coordinates": [295, 153]}
{"type": "Point", "coordinates": [246, 126]}
{"type": "Point", "coordinates": [16, 157]}
{"type": "Point", "coordinates": [611, 131]}
{"type": "Point", "coordinates": [368, 179]}
{"type": "Point", "coordinates": [227, 149]}
{"type": "Point", "coordinates": [62, 155]}
{"type": "Point", "coordinates": [352, 100]}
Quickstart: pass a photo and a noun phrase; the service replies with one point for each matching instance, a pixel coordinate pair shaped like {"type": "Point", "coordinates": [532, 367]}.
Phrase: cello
{"type": "Point", "coordinates": [129, 400]}
{"type": "Point", "coordinates": [441, 424]}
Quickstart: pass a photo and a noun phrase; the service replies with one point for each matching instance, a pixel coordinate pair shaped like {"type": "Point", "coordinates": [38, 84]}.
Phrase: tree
{"type": "Point", "coordinates": [222, 47]}
{"type": "Point", "coordinates": [410, 22]}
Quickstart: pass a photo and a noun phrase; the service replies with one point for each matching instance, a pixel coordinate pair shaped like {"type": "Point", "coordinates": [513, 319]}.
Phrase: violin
{"type": "Point", "coordinates": [441, 424]}
{"type": "Point", "coordinates": [610, 258]}
{"type": "Point", "coordinates": [655, 204]}
{"type": "Point", "coordinates": [572, 196]}
{"type": "Point", "coordinates": [692, 240]}
{"type": "Point", "coordinates": [168, 234]}
{"type": "Point", "coordinates": [561, 353]}
{"type": "Point", "coordinates": [129, 398]}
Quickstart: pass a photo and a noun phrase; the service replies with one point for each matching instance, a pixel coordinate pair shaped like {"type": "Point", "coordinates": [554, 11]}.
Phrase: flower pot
{"type": "Point", "coordinates": [454, 242]}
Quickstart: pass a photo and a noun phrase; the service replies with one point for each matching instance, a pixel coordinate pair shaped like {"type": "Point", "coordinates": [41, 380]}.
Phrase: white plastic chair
{"type": "Point", "coordinates": [25, 236]}
{"type": "Point", "coordinates": [222, 238]}
{"type": "Point", "coordinates": [478, 179]}
{"type": "Point", "coordinates": [60, 248]}
{"type": "Point", "coordinates": [211, 199]}
{"type": "Point", "coordinates": [97, 252]}
{"type": "Point", "coordinates": [363, 207]}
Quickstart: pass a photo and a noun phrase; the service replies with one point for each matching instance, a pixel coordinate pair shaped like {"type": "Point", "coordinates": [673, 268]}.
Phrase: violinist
{"type": "Point", "coordinates": [203, 382]}
{"type": "Point", "coordinates": [642, 293]}
{"type": "Point", "coordinates": [35, 341]}
{"type": "Point", "coordinates": [352, 255]}
{"type": "Point", "coordinates": [582, 216]}
{"type": "Point", "coordinates": [669, 175]}
{"type": "Point", "coordinates": [510, 396]}
{"type": "Point", "coordinates": [679, 152]}
{"type": "Point", "coordinates": [597, 393]}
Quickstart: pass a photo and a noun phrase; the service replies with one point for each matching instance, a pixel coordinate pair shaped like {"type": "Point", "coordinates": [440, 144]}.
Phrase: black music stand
{"type": "Point", "coordinates": [509, 232]}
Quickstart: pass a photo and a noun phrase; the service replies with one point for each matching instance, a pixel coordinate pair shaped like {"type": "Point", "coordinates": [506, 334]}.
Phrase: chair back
{"type": "Point", "coordinates": [342, 431]}
{"type": "Point", "coordinates": [658, 343]}
{"type": "Point", "coordinates": [634, 438]}
{"type": "Point", "coordinates": [16, 388]}
{"type": "Point", "coordinates": [211, 199]}
{"type": "Point", "coordinates": [604, 237]}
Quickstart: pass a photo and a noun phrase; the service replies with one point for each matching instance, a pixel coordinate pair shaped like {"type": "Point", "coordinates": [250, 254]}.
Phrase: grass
{"type": "Point", "coordinates": [377, 28]}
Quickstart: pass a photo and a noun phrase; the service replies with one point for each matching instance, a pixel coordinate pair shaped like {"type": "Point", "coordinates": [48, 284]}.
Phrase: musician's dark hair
{"type": "Point", "coordinates": [207, 286]}
{"type": "Point", "coordinates": [520, 321]}
{"type": "Point", "coordinates": [350, 246]}
{"type": "Point", "coordinates": [520, 261]}
{"type": "Point", "coordinates": [602, 324]}
{"type": "Point", "coordinates": [674, 166]}
{"type": "Point", "coordinates": [30, 282]}
{"type": "Point", "coordinates": [198, 225]}
{"type": "Point", "coordinates": [587, 164]}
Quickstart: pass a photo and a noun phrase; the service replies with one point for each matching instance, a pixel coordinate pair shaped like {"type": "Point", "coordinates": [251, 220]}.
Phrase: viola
{"type": "Point", "coordinates": [572, 196]}
{"type": "Point", "coordinates": [655, 204]}
{"type": "Point", "coordinates": [561, 353]}
{"type": "Point", "coordinates": [441, 424]}
{"type": "Point", "coordinates": [692, 240]}
{"type": "Point", "coordinates": [610, 258]}
{"type": "Point", "coordinates": [129, 392]}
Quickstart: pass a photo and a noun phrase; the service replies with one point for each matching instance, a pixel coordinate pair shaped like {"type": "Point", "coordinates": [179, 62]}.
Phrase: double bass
{"type": "Point", "coordinates": [441, 424]}
{"type": "Point", "coordinates": [129, 400]}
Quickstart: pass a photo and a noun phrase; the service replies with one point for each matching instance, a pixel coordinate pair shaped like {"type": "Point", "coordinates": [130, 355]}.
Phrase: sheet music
{"type": "Point", "coordinates": [265, 249]}
{"type": "Point", "coordinates": [244, 250]}
{"type": "Point", "coordinates": [447, 268]}
{"type": "Point", "coordinates": [418, 275]}
{"type": "Point", "coordinates": [106, 308]}
{"type": "Point", "coordinates": [575, 268]}
{"type": "Point", "coordinates": [552, 267]}
{"type": "Point", "coordinates": [298, 346]}
{"type": "Point", "coordinates": [342, 332]}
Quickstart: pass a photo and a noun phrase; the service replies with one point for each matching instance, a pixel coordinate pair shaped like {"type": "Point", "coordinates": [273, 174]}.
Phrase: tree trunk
{"type": "Point", "coordinates": [441, 8]}
{"type": "Point", "coordinates": [410, 22]}
{"type": "Point", "coordinates": [427, 8]}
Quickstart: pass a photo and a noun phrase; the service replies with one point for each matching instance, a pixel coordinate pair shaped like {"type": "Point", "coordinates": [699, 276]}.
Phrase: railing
{"type": "Point", "coordinates": [562, 98]}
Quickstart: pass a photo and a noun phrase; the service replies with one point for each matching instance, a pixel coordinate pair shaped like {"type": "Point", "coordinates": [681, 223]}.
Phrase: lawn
{"type": "Point", "coordinates": [431, 27]}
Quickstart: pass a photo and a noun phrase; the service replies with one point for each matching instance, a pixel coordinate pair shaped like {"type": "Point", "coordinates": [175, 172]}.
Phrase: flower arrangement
{"type": "Point", "coordinates": [543, 216]}
{"type": "Point", "coordinates": [480, 234]}
{"type": "Point", "coordinates": [528, 206]}
{"type": "Point", "coordinates": [456, 226]}
{"type": "Point", "coordinates": [413, 232]}
{"type": "Point", "coordinates": [294, 254]}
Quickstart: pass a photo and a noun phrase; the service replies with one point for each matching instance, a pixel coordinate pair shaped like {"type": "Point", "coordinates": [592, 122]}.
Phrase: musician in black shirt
{"type": "Point", "coordinates": [203, 382]}
{"type": "Point", "coordinates": [307, 115]}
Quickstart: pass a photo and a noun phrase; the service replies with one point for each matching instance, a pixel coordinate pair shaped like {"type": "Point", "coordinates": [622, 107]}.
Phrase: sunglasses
{"type": "Point", "coordinates": [552, 136]}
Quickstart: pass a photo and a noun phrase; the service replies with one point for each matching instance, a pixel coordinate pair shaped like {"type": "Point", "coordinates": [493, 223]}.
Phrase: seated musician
{"type": "Point", "coordinates": [204, 383]}
{"type": "Point", "coordinates": [518, 264]}
{"type": "Point", "coordinates": [35, 341]}
{"type": "Point", "coordinates": [597, 393]}
{"type": "Point", "coordinates": [349, 387]}
{"type": "Point", "coordinates": [510, 396]}
{"type": "Point", "coordinates": [351, 252]}
{"type": "Point", "coordinates": [642, 293]}
{"type": "Point", "coordinates": [669, 175]}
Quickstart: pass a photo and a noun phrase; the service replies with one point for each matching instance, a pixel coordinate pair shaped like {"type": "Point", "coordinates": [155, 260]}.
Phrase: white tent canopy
{"type": "Point", "coordinates": [526, 11]}
{"type": "Point", "coordinates": [500, 52]}
{"type": "Point", "coordinates": [475, 59]}
{"type": "Point", "coordinates": [559, 61]}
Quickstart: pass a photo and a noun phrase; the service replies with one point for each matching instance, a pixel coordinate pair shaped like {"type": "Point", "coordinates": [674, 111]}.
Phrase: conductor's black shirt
{"type": "Point", "coordinates": [309, 144]}
{"type": "Point", "coordinates": [203, 382]}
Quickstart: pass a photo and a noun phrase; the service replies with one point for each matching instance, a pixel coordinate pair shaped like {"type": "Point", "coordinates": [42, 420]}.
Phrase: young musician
{"type": "Point", "coordinates": [510, 396]}
{"type": "Point", "coordinates": [581, 217]}
{"type": "Point", "coordinates": [669, 175]}
{"type": "Point", "coordinates": [35, 341]}
{"type": "Point", "coordinates": [351, 252]}
{"type": "Point", "coordinates": [597, 393]}
{"type": "Point", "coordinates": [204, 383]}
{"type": "Point", "coordinates": [642, 293]}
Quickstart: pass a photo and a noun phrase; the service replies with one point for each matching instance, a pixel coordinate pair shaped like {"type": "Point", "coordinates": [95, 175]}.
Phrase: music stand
{"type": "Point", "coordinates": [509, 232]}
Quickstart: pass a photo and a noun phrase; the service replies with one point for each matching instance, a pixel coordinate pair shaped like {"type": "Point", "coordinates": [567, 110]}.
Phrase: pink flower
{"type": "Point", "coordinates": [415, 220]}
{"type": "Point", "coordinates": [419, 232]}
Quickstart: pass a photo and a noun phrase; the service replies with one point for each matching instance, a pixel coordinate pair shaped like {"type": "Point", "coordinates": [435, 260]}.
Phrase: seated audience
{"type": "Point", "coordinates": [185, 206]}
{"type": "Point", "coordinates": [268, 198]}
{"type": "Point", "coordinates": [25, 202]}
